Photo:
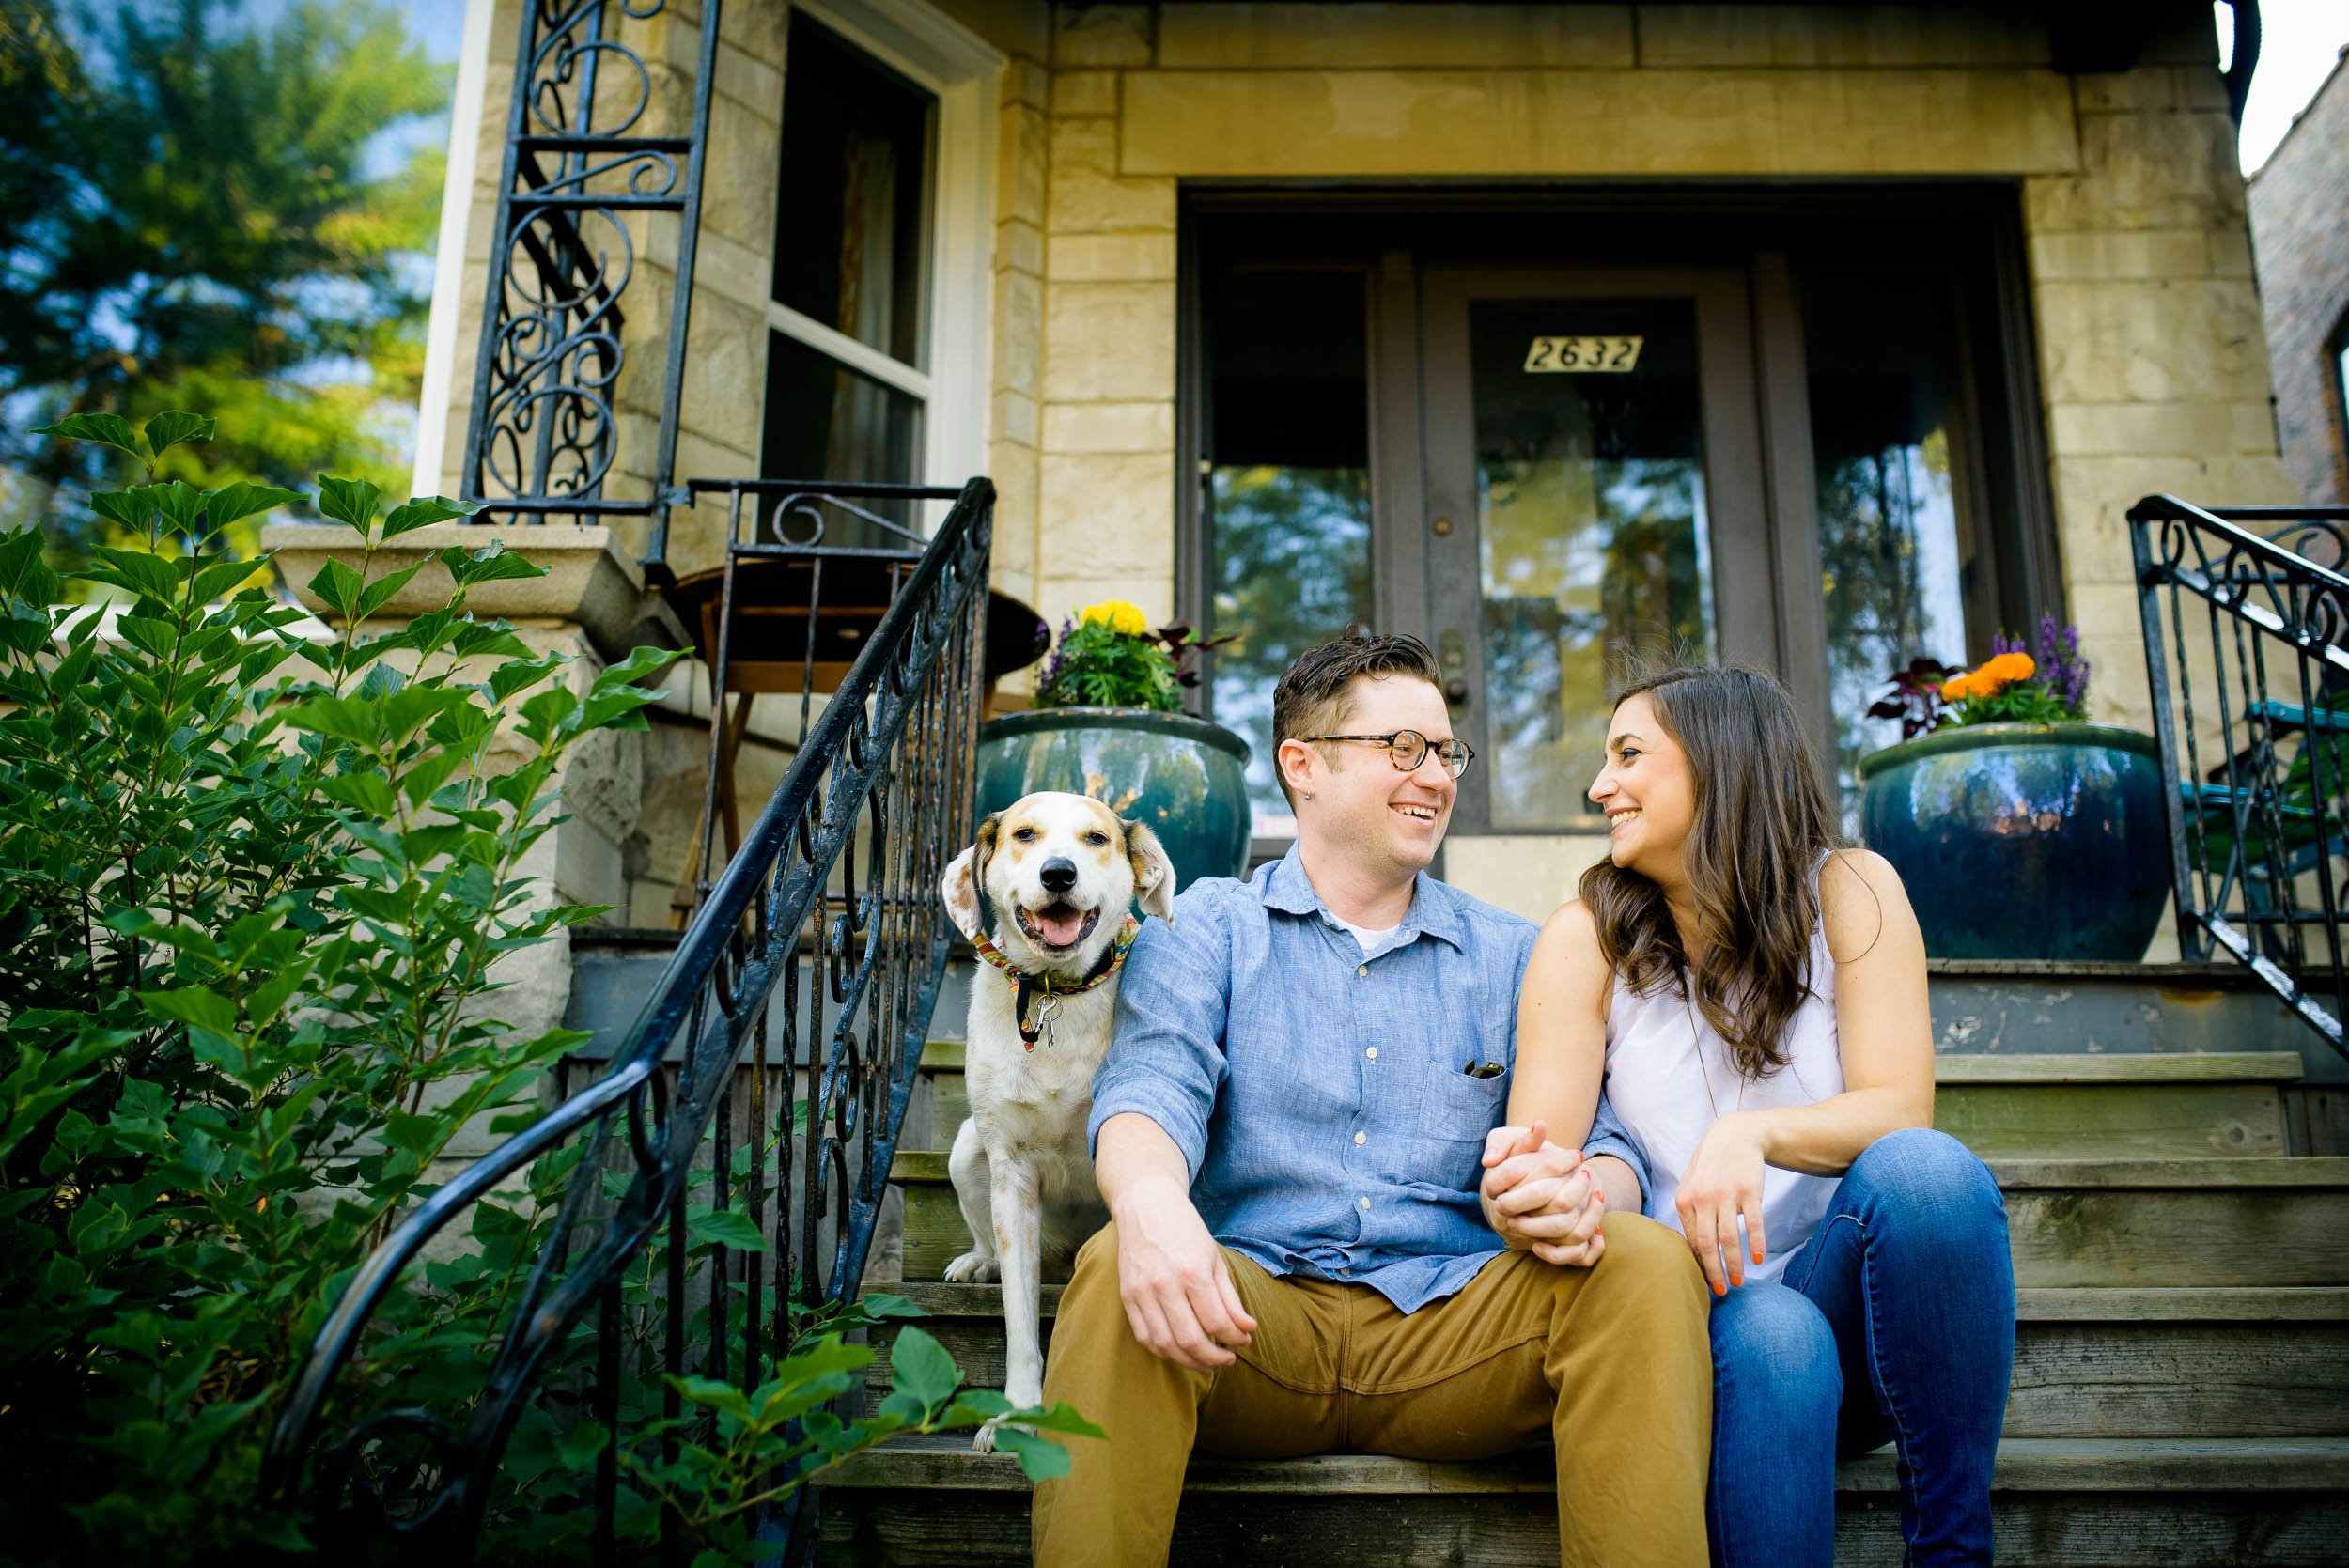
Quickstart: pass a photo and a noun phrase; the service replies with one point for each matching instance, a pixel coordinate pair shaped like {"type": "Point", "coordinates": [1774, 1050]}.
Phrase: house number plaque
{"type": "Point", "coordinates": [1583, 353]}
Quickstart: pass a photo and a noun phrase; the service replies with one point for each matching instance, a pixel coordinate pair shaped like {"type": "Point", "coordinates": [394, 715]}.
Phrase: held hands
{"type": "Point", "coordinates": [1722, 1182]}
{"type": "Point", "coordinates": [1178, 1288]}
{"type": "Point", "coordinates": [1542, 1198]}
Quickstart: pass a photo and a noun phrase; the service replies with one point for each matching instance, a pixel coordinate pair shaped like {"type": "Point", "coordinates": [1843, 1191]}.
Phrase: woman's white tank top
{"type": "Point", "coordinates": [1662, 1058]}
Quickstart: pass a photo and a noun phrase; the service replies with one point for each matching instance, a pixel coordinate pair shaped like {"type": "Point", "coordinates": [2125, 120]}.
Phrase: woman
{"type": "Point", "coordinates": [1752, 994]}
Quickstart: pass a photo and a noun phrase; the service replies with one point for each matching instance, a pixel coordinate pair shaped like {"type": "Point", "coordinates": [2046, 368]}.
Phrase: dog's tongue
{"type": "Point", "coordinates": [1061, 930]}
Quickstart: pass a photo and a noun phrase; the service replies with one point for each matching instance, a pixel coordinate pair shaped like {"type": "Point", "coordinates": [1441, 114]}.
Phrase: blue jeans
{"type": "Point", "coordinates": [1897, 1321]}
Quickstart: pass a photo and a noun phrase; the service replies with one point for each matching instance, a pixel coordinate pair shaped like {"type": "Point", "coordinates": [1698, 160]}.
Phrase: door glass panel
{"type": "Point", "coordinates": [1895, 553]}
{"type": "Point", "coordinates": [1290, 494]}
{"type": "Point", "coordinates": [1591, 530]}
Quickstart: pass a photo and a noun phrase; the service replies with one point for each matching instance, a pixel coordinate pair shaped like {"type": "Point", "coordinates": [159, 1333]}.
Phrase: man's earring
{"type": "Point", "coordinates": [1309, 794]}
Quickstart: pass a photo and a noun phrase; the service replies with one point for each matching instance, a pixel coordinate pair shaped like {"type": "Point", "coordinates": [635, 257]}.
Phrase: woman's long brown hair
{"type": "Point", "coordinates": [1762, 823]}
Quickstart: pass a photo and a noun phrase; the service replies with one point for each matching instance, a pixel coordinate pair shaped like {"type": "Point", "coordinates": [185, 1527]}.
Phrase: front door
{"type": "Point", "coordinates": [1594, 501]}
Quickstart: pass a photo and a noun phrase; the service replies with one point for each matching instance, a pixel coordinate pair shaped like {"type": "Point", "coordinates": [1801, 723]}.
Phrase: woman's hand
{"type": "Point", "coordinates": [1724, 1181]}
{"type": "Point", "coordinates": [1540, 1198]}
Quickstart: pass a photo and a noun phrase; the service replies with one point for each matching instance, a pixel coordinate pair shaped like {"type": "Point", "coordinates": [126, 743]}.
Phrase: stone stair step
{"type": "Point", "coordinates": [2134, 1104]}
{"type": "Point", "coordinates": [2200, 1221]}
{"type": "Point", "coordinates": [2059, 1503]}
{"type": "Point", "coordinates": [2108, 1363]}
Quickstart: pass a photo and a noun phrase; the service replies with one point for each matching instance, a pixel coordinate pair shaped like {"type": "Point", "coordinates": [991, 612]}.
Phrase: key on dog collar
{"type": "Point", "coordinates": [1026, 987]}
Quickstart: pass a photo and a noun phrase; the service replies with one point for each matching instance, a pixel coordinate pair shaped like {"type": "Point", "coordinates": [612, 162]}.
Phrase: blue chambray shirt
{"type": "Point", "coordinates": [1321, 1096]}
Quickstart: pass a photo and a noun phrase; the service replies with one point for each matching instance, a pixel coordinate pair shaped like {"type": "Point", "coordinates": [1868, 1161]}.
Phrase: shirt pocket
{"type": "Point", "coordinates": [1455, 1112]}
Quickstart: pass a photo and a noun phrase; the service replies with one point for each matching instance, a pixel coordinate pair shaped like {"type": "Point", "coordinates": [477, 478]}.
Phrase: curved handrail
{"type": "Point", "coordinates": [920, 661]}
{"type": "Point", "coordinates": [2256, 834]}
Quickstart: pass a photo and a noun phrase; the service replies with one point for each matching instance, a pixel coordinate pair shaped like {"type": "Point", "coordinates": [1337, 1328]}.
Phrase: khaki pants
{"type": "Point", "coordinates": [1611, 1362]}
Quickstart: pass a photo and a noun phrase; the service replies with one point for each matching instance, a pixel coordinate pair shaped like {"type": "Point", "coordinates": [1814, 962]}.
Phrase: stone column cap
{"type": "Point", "coordinates": [591, 581]}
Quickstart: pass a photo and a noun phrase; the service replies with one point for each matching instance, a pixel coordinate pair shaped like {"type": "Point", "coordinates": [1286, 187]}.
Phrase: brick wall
{"type": "Point", "coordinates": [2300, 234]}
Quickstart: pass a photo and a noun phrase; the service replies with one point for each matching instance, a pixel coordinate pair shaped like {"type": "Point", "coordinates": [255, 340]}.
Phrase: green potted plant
{"type": "Point", "coordinates": [2020, 830]}
{"type": "Point", "coordinates": [1108, 723]}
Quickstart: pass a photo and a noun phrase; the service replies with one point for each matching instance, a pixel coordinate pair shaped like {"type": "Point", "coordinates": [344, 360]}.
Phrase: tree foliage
{"type": "Point", "coordinates": [192, 216]}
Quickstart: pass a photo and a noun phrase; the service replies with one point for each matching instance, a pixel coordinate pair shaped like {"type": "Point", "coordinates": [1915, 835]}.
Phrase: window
{"type": "Point", "coordinates": [848, 382]}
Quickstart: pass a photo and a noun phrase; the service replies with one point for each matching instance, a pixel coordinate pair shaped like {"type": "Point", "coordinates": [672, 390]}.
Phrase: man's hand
{"type": "Point", "coordinates": [1175, 1282]}
{"type": "Point", "coordinates": [1540, 1198]}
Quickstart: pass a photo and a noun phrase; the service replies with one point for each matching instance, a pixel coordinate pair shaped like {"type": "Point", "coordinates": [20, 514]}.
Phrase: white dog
{"type": "Point", "coordinates": [1061, 871]}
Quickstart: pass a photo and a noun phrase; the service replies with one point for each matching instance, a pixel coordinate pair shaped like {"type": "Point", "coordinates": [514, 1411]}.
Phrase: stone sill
{"type": "Point", "coordinates": [591, 581]}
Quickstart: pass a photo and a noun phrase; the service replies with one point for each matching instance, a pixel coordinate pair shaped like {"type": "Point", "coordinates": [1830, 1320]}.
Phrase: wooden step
{"type": "Point", "coordinates": [2079, 1106]}
{"type": "Point", "coordinates": [2145, 1222]}
{"type": "Point", "coordinates": [2115, 1106]}
{"type": "Point", "coordinates": [2060, 1502]}
{"type": "Point", "coordinates": [2087, 1363]}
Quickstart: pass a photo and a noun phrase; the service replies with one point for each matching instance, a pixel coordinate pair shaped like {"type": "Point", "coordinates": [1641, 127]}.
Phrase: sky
{"type": "Point", "coordinates": [2299, 41]}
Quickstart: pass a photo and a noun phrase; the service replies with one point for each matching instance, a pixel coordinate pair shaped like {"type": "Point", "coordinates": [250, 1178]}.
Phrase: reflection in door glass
{"type": "Point", "coordinates": [1292, 569]}
{"type": "Point", "coordinates": [1895, 554]}
{"type": "Point", "coordinates": [1591, 529]}
{"type": "Point", "coordinates": [1289, 492]}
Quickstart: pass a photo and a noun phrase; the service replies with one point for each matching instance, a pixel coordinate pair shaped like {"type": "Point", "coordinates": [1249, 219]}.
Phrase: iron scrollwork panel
{"type": "Point", "coordinates": [586, 163]}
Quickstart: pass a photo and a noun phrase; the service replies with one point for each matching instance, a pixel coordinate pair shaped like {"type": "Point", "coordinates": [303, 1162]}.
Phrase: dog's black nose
{"type": "Point", "coordinates": [1059, 874]}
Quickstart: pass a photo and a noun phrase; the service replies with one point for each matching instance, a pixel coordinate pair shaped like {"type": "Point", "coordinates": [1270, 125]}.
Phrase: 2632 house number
{"type": "Point", "coordinates": [1583, 353]}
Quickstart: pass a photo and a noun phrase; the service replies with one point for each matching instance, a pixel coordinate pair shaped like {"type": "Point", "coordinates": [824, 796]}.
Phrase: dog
{"type": "Point", "coordinates": [1061, 871]}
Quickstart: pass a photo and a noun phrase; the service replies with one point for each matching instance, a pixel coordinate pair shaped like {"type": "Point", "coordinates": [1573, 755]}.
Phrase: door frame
{"type": "Point", "coordinates": [1772, 232]}
{"type": "Point", "coordinates": [1737, 518]}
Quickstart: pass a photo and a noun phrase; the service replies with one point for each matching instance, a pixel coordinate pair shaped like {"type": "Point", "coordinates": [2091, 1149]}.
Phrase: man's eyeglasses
{"type": "Point", "coordinates": [1407, 749]}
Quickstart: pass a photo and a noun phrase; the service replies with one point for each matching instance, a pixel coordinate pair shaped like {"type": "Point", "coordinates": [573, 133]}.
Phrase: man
{"type": "Point", "coordinates": [1319, 1238]}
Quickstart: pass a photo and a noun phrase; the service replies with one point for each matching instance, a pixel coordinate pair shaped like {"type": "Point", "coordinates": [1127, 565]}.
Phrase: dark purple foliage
{"type": "Point", "coordinates": [1916, 696]}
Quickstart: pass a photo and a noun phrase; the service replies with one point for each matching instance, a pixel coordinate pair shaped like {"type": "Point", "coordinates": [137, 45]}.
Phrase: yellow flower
{"type": "Point", "coordinates": [1955, 689]}
{"type": "Point", "coordinates": [1119, 616]}
{"type": "Point", "coordinates": [2012, 667]}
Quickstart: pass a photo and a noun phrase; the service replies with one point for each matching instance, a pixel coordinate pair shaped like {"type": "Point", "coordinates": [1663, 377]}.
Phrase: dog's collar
{"type": "Point", "coordinates": [1026, 987]}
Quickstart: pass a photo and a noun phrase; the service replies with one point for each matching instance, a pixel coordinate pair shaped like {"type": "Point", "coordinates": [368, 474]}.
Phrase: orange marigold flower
{"type": "Point", "coordinates": [1955, 689]}
{"type": "Point", "coordinates": [2011, 667]}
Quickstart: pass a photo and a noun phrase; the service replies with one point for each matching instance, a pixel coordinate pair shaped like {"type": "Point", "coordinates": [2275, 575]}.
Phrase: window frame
{"type": "Point", "coordinates": [962, 73]}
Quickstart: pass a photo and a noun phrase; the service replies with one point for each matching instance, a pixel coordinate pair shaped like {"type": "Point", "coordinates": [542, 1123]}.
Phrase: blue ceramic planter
{"type": "Point", "coordinates": [1181, 777]}
{"type": "Point", "coordinates": [2024, 841]}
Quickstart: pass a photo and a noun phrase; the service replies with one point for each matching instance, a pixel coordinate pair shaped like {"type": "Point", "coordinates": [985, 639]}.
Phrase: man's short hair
{"type": "Point", "coordinates": [1313, 697]}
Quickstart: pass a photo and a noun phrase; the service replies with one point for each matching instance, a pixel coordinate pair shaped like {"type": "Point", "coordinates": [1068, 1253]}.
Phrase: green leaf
{"type": "Point", "coordinates": [169, 429]}
{"type": "Point", "coordinates": [727, 1228]}
{"type": "Point", "coordinates": [110, 429]}
{"type": "Point", "coordinates": [587, 1440]}
{"type": "Point", "coordinates": [350, 500]}
{"type": "Point", "coordinates": [1040, 1458]}
{"type": "Point", "coordinates": [337, 587]}
{"type": "Point", "coordinates": [713, 1393]}
{"type": "Point", "coordinates": [237, 502]}
{"type": "Point", "coordinates": [493, 563]}
{"type": "Point", "coordinates": [1060, 1417]}
{"type": "Point", "coordinates": [423, 511]}
{"type": "Point", "coordinates": [920, 1366]}
{"type": "Point", "coordinates": [194, 1005]}
{"type": "Point", "coordinates": [378, 594]}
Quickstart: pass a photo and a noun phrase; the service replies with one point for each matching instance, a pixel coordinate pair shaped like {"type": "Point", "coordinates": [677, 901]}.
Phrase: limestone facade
{"type": "Point", "coordinates": [2145, 319]}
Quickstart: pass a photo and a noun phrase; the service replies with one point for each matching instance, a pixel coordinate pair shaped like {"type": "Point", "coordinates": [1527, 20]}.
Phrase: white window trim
{"type": "Point", "coordinates": [964, 73]}
{"type": "Point", "coordinates": [434, 410]}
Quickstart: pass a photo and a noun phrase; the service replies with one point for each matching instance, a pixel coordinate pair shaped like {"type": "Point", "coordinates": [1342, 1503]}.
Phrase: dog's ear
{"type": "Point", "coordinates": [1154, 874]}
{"type": "Point", "coordinates": [966, 873]}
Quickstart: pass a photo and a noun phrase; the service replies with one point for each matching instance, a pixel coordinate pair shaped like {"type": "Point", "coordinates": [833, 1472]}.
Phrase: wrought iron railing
{"type": "Point", "coordinates": [808, 975]}
{"type": "Point", "coordinates": [596, 150]}
{"type": "Point", "coordinates": [2246, 610]}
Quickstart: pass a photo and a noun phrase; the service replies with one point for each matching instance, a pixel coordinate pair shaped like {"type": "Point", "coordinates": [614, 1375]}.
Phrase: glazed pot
{"type": "Point", "coordinates": [1182, 777]}
{"type": "Point", "coordinates": [2024, 841]}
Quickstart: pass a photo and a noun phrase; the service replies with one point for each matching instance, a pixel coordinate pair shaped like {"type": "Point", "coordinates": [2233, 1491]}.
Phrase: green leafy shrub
{"type": "Point", "coordinates": [256, 879]}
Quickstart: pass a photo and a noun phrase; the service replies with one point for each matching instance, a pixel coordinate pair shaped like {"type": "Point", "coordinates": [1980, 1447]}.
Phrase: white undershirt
{"type": "Point", "coordinates": [1365, 935]}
